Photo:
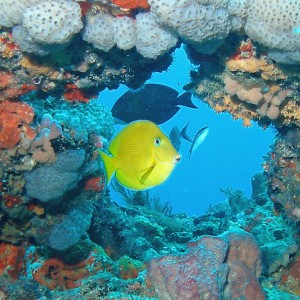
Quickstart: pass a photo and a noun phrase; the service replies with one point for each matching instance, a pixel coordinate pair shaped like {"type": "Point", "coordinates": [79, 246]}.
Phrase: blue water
{"type": "Point", "coordinates": [229, 157]}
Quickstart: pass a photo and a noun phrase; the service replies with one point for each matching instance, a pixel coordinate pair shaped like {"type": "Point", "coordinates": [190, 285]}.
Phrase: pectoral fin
{"type": "Point", "coordinates": [146, 174]}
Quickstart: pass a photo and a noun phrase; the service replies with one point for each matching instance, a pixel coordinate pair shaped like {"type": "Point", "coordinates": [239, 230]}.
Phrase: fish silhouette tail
{"type": "Point", "coordinates": [184, 134]}
{"type": "Point", "coordinates": [109, 166]}
{"type": "Point", "coordinates": [186, 100]}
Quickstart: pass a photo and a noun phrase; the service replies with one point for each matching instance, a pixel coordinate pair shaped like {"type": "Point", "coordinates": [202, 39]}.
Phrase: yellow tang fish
{"type": "Point", "coordinates": [142, 156]}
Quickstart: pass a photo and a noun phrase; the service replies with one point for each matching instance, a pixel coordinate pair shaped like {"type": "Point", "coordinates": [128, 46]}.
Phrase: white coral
{"type": "Point", "coordinates": [11, 11]}
{"type": "Point", "coordinates": [274, 23]}
{"type": "Point", "coordinates": [53, 22]}
{"type": "Point", "coordinates": [152, 40]}
{"type": "Point", "coordinates": [99, 31]}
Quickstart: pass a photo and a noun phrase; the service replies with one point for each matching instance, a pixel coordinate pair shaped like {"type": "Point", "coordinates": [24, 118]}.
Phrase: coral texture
{"type": "Point", "coordinates": [232, 260]}
{"type": "Point", "coordinates": [49, 182]}
{"type": "Point", "coordinates": [244, 261]}
{"type": "Point", "coordinates": [65, 21]}
{"type": "Point", "coordinates": [274, 24]}
{"type": "Point", "coordinates": [68, 232]}
{"type": "Point", "coordinates": [11, 11]}
{"type": "Point", "coordinates": [15, 118]}
{"type": "Point", "coordinates": [282, 170]}
{"type": "Point", "coordinates": [200, 274]}
{"type": "Point", "coordinates": [12, 260]}
{"type": "Point", "coordinates": [55, 274]}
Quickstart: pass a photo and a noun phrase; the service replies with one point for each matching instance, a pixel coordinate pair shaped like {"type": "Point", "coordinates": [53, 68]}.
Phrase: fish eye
{"type": "Point", "coordinates": [157, 142]}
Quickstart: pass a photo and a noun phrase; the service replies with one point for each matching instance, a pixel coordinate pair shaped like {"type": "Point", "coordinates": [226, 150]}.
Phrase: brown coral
{"type": "Point", "coordinates": [250, 65]}
{"type": "Point", "coordinates": [267, 70]}
{"type": "Point", "coordinates": [237, 110]}
{"type": "Point", "coordinates": [291, 113]}
{"type": "Point", "coordinates": [268, 103]}
{"type": "Point", "coordinates": [199, 274]}
{"type": "Point", "coordinates": [36, 69]}
{"type": "Point", "coordinates": [246, 60]}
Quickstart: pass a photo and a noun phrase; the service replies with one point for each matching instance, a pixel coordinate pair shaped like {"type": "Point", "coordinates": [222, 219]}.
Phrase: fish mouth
{"type": "Point", "coordinates": [176, 159]}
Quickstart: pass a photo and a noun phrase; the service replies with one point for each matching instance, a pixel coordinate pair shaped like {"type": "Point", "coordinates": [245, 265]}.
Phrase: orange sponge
{"type": "Point", "coordinates": [132, 4]}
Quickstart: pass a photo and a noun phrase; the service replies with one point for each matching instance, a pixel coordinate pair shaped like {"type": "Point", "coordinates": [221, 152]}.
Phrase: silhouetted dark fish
{"type": "Point", "coordinates": [154, 102]}
{"type": "Point", "coordinates": [176, 135]}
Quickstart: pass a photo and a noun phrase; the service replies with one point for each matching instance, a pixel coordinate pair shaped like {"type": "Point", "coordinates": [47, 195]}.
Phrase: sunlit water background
{"type": "Point", "coordinates": [229, 157]}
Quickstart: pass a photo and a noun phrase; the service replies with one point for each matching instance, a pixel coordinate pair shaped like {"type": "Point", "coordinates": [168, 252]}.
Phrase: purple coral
{"type": "Point", "coordinates": [244, 261]}
{"type": "Point", "coordinates": [223, 267]}
{"type": "Point", "coordinates": [51, 181]}
{"type": "Point", "coordinates": [199, 274]}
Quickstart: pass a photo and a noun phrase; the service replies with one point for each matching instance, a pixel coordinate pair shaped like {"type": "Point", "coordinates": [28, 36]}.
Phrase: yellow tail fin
{"type": "Point", "coordinates": [109, 166]}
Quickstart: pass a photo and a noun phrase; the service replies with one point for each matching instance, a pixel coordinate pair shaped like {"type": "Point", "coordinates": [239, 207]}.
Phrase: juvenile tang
{"type": "Point", "coordinates": [141, 156]}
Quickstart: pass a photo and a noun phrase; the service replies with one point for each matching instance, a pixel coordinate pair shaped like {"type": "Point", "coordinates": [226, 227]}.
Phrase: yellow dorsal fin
{"type": "Point", "coordinates": [109, 165]}
{"type": "Point", "coordinates": [146, 174]}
